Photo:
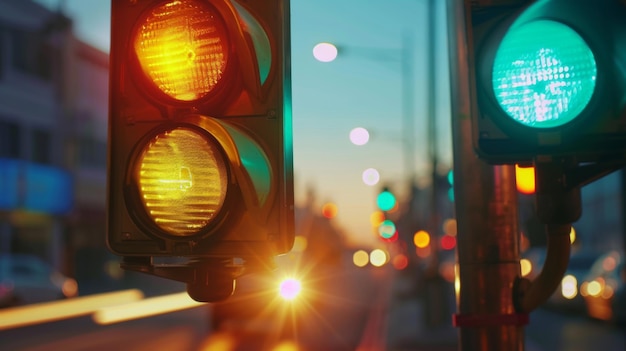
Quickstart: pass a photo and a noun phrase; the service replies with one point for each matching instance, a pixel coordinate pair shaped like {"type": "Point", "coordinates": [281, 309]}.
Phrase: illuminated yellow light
{"type": "Point", "coordinates": [525, 266]}
{"type": "Point", "coordinates": [182, 180]}
{"type": "Point", "coordinates": [70, 308]}
{"type": "Point", "coordinates": [569, 287]}
{"type": "Point", "coordinates": [145, 308]}
{"type": "Point", "coordinates": [421, 239]}
{"type": "Point", "coordinates": [182, 46]}
{"type": "Point", "coordinates": [572, 235]}
{"type": "Point", "coordinates": [525, 179]}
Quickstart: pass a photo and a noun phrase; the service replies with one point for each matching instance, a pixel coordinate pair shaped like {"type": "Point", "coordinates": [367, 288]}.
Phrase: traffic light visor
{"type": "Point", "coordinates": [182, 179]}
{"type": "Point", "coordinates": [182, 47]}
{"type": "Point", "coordinates": [544, 74]}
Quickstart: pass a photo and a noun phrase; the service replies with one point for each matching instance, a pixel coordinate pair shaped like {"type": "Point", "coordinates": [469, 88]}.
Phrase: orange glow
{"type": "Point", "coordinates": [423, 252]}
{"type": "Point", "coordinates": [525, 179]}
{"type": "Point", "coordinates": [400, 262]}
{"type": "Point", "coordinates": [329, 210]}
{"type": "Point", "coordinates": [449, 226]}
{"type": "Point", "coordinates": [421, 239]}
{"type": "Point", "coordinates": [70, 308]}
{"type": "Point", "coordinates": [182, 46]}
{"type": "Point", "coordinates": [376, 218]}
{"type": "Point", "coordinates": [145, 308]}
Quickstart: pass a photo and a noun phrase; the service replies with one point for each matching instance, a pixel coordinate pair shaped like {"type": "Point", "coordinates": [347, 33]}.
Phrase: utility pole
{"type": "Point", "coordinates": [486, 211]}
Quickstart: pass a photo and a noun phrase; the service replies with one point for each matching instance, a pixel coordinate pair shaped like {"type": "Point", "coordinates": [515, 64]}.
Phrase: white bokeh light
{"type": "Point", "coordinates": [325, 52]}
{"type": "Point", "coordinates": [371, 176]}
{"type": "Point", "coordinates": [359, 136]}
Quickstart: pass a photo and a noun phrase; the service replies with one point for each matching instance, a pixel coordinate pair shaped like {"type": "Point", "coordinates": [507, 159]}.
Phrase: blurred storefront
{"type": "Point", "coordinates": [53, 125]}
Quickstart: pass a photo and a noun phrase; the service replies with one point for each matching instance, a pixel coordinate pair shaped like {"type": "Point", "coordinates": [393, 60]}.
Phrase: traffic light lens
{"type": "Point", "coordinates": [544, 74]}
{"type": "Point", "coordinates": [182, 47]}
{"type": "Point", "coordinates": [182, 179]}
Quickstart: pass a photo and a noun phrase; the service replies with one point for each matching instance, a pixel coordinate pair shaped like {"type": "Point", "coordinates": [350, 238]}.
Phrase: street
{"type": "Point", "coordinates": [339, 328]}
{"type": "Point", "coordinates": [367, 322]}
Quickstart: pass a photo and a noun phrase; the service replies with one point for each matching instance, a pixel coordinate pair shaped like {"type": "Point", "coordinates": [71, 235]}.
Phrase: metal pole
{"type": "Point", "coordinates": [486, 210]}
{"type": "Point", "coordinates": [408, 105]}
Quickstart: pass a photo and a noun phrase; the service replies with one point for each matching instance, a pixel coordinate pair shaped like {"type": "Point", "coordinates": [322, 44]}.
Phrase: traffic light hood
{"type": "Point", "coordinates": [550, 80]}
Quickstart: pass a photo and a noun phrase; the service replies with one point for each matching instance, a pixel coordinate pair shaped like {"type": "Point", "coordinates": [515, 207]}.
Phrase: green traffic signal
{"type": "Point", "coordinates": [544, 74]}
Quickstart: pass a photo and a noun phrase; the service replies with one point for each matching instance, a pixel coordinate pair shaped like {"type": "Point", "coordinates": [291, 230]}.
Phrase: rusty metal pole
{"type": "Point", "coordinates": [486, 210]}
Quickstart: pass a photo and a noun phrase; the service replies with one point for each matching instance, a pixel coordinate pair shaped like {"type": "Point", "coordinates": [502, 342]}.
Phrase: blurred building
{"type": "Point", "coordinates": [53, 125]}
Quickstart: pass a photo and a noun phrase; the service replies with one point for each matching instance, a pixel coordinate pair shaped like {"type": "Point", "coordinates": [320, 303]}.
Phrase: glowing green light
{"type": "Point", "coordinates": [544, 74]}
{"type": "Point", "coordinates": [385, 201]}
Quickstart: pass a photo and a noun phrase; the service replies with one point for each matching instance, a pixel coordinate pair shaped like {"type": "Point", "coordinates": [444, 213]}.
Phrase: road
{"type": "Point", "coordinates": [190, 330]}
{"type": "Point", "coordinates": [366, 323]}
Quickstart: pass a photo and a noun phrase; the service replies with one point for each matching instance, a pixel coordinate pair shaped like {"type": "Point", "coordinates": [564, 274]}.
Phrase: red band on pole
{"type": "Point", "coordinates": [489, 320]}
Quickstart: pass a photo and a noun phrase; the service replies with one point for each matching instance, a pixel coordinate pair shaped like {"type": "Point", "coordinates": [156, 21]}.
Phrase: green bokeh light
{"type": "Point", "coordinates": [544, 74]}
{"type": "Point", "coordinates": [385, 201]}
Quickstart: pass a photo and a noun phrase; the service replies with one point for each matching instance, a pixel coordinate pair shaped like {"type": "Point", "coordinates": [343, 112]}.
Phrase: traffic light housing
{"type": "Point", "coordinates": [549, 79]}
{"type": "Point", "coordinates": [200, 139]}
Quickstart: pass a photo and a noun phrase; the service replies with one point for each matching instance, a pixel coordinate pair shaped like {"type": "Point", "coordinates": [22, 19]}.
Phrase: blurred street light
{"type": "Point", "coordinates": [328, 52]}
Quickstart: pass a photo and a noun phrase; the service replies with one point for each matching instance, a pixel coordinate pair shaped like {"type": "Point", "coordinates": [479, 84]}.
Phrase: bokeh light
{"type": "Point", "coordinates": [387, 229]}
{"type": "Point", "coordinates": [449, 226]}
{"type": "Point", "coordinates": [329, 210]}
{"type": "Point", "coordinates": [376, 218]}
{"type": "Point", "coordinates": [378, 258]}
{"type": "Point", "coordinates": [371, 176]}
{"type": "Point", "coordinates": [400, 262]}
{"type": "Point", "coordinates": [421, 239]}
{"type": "Point", "coordinates": [448, 242]}
{"type": "Point", "coordinates": [569, 287]}
{"type": "Point", "coordinates": [325, 52]}
{"type": "Point", "coordinates": [360, 258]}
{"type": "Point", "coordinates": [385, 201]}
{"type": "Point", "coordinates": [359, 136]}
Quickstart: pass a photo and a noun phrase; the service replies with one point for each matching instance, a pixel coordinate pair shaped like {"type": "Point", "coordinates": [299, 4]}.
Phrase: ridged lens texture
{"type": "Point", "coordinates": [182, 181]}
{"type": "Point", "coordinates": [182, 46]}
{"type": "Point", "coordinates": [544, 74]}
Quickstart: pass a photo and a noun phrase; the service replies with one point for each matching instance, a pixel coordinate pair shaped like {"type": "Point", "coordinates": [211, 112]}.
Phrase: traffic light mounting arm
{"type": "Point", "coordinates": [558, 204]}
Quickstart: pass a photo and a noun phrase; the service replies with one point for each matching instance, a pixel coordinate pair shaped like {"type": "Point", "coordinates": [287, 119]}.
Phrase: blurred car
{"type": "Point", "coordinates": [567, 296]}
{"type": "Point", "coordinates": [26, 279]}
{"type": "Point", "coordinates": [604, 288]}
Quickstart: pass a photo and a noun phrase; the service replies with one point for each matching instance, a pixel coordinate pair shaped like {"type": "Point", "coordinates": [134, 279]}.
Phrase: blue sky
{"type": "Point", "coordinates": [329, 99]}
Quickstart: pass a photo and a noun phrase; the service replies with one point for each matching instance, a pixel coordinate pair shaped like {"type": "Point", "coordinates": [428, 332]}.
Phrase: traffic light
{"type": "Point", "coordinates": [549, 79]}
{"type": "Point", "coordinates": [200, 139]}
